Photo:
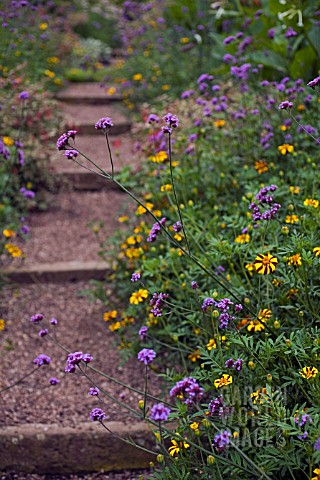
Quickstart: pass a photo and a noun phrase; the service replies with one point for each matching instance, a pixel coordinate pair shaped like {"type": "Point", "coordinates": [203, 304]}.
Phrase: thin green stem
{"type": "Point", "coordinates": [20, 380]}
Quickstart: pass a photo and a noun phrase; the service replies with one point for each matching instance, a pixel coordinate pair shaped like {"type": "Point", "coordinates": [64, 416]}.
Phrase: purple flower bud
{"type": "Point", "coordinates": [153, 118]}
{"type": "Point", "coordinates": [104, 123]}
{"type": "Point", "coordinates": [54, 381]}
{"type": "Point", "coordinates": [94, 391]}
{"type": "Point", "coordinates": [194, 285]}
{"type": "Point", "coordinates": [159, 413]}
{"type": "Point", "coordinates": [24, 95]}
{"type": "Point", "coordinates": [143, 332]}
{"type": "Point", "coordinates": [37, 318]}
{"type": "Point", "coordinates": [42, 360]}
{"type": "Point", "coordinates": [54, 321]}
{"type": "Point", "coordinates": [146, 356]}
{"type": "Point", "coordinates": [43, 332]}
{"type": "Point", "coordinates": [285, 105]}
{"type": "Point", "coordinates": [135, 277]}
{"type": "Point", "coordinates": [97, 415]}
{"type": "Point", "coordinates": [70, 154]}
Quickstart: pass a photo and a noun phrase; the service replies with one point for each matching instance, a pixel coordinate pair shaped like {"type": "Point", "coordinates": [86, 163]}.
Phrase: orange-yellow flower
{"type": "Point", "coordinates": [292, 219]}
{"type": "Point", "coordinates": [265, 263]}
{"type": "Point", "coordinates": [139, 296]}
{"type": "Point", "coordinates": [316, 251]}
{"type": "Point", "coordinates": [309, 372]}
{"type": "Point", "coordinates": [285, 148]}
{"type": "Point", "coordinates": [243, 238]}
{"type": "Point", "coordinates": [223, 381]}
{"type": "Point", "coordinates": [261, 166]}
{"type": "Point", "coordinates": [310, 202]}
{"type": "Point", "coordinates": [295, 260]}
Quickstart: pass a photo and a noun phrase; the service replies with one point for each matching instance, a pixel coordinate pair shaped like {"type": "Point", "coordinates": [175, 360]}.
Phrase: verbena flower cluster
{"type": "Point", "coordinates": [75, 359]}
{"type": "Point", "coordinates": [187, 389]}
{"type": "Point", "coordinates": [265, 208]}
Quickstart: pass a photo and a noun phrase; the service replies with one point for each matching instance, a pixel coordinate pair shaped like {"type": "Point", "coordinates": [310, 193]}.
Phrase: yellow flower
{"type": "Point", "coordinates": [293, 189]}
{"type": "Point", "coordinates": [250, 267]}
{"type": "Point", "coordinates": [295, 260]}
{"type": "Point", "coordinates": [265, 263]}
{"type": "Point", "coordinates": [13, 250]}
{"type": "Point", "coordinates": [309, 372]}
{"type": "Point", "coordinates": [114, 326]}
{"type": "Point", "coordinates": [194, 425]}
{"type": "Point", "coordinates": [159, 157]}
{"type": "Point", "coordinates": [261, 166]}
{"type": "Point", "coordinates": [8, 141]}
{"type": "Point", "coordinates": [131, 240]}
{"type": "Point", "coordinates": [284, 127]}
{"type": "Point", "coordinates": [316, 251]}
{"type": "Point", "coordinates": [139, 296]}
{"type": "Point", "coordinates": [264, 314]}
{"type": "Point", "coordinates": [317, 472]}
{"type": "Point", "coordinates": [9, 233]}
{"type": "Point", "coordinates": [58, 82]}
{"type": "Point", "coordinates": [194, 356]}
{"type": "Point", "coordinates": [292, 218]}
{"type": "Point", "coordinates": [53, 60]}
{"type": "Point", "coordinates": [243, 238]}
{"type": "Point", "coordinates": [219, 123]}
{"type": "Point", "coordinates": [255, 325]}
{"type": "Point", "coordinates": [141, 210]}
{"type": "Point", "coordinates": [256, 395]}
{"type": "Point", "coordinates": [223, 381]}
{"type": "Point", "coordinates": [301, 107]}
{"type": "Point", "coordinates": [310, 202]}
{"type": "Point", "coordinates": [137, 77]}
{"type": "Point", "coordinates": [165, 87]}
{"type": "Point", "coordinates": [49, 73]}
{"type": "Point", "coordinates": [43, 26]}
{"type": "Point", "coordinates": [111, 90]}
{"type": "Point", "coordinates": [166, 188]}
{"type": "Point", "coordinates": [178, 237]}
{"type": "Point", "coordinates": [285, 148]}
{"type": "Point", "coordinates": [2, 324]}
{"type": "Point", "coordinates": [184, 40]}
{"type": "Point", "coordinates": [123, 218]}
{"type": "Point", "coordinates": [176, 447]}
{"type": "Point", "coordinates": [107, 316]}
{"type": "Point", "coordinates": [211, 344]}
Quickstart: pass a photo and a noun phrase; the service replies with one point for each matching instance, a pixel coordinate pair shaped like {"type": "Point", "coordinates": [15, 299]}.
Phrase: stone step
{"type": "Point", "coordinates": [84, 117]}
{"type": "Point", "coordinates": [52, 449]}
{"type": "Point", "coordinates": [90, 93]}
{"type": "Point", "coordinates": [57, 272]}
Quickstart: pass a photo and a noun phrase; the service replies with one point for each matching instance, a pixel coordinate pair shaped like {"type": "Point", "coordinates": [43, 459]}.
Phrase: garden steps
{"type": "Point", "coordinates": [90, 93]}
{"type": "Point", "coordinates": [95, 148]}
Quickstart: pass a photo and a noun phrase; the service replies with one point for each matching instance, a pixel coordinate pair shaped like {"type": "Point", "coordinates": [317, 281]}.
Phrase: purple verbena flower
{"type": "Point", "coordinates": [63, 141]}
{"type": "Point", "coordinates": [221, 440]}
{"type": "Point", "coordinates": [54, 321]}
{"type": "Point", "coordinates": [229, 363]}
{"type": "Point", "coordinates": [285, 105]}
{"type": "Point", "coordinates": [171, 120]}
{"type": "Point", "coordinates": [159, 413]}
{"type": "Point", "coordinates": [54, 381]}
{"type": "Point", "coordinates": [42, 360]}
{"type": "Point", "coordinates": [75, 359]}
{"type": "Point", "coordinates": [146, 355]}
{"type": "Point", "coordinates": [177, 227]}
{"type": "Point", "coordinates": [289, 33]}
{"type": "Point", "coordinates": [104, 123]}
{"type": "Point", "coordinates": [316, 445]}
{"type": "Point", "coordinates": [37, 318]}
{"type": "Point", "coordinates": [217, 407]}
{"type": "Point", "coordinates": [97, 415]}
{"type": "Point", "coordinates": [71, 154]}
{"type": "Point", "coordinates": [143, 332]}
{"type": "Point", "coordinates": [271, 33]}
{"type": "Point", "coordinates": [314, 83]}
{"type": "Point", "coordinates": [27, 193]}
{"type": "Point", "coordinates": [43, 332]}
{"type": "Point", "coordinates": [153, 118]}
{"type": "Point", "coordinates": [194, 285]}
{"type": "Point", "coordinates": [187, 389]}
{"type": "Point", "coordinates": [155, 230]}
{"type": "Point", "coordinates": [135, 276]}
{"type": "Point", "coordinates": [238, 365]}
{"type": "Point", "coordinates": [94, 391]}
{"type": "Point", "coordinates": [24, 95]}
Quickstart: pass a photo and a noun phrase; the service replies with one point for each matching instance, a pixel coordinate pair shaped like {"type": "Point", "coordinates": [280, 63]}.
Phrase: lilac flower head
{"type": "Point", "coordinates": [229, 363]}
{"type": "Point", "coordinates": [143, 332]}
{"type": "Point", "coordinates": [207, 302]}
{"type": "Point", "coordinates": [27, 193]}
{"type": "Point", "coordinates": [146, 355]}
{"type": "Point", "coordinates": [63, 141]}
{"type": "Point", "coordinates": [37, 318]}
{"type": "Point", "coordinates": [159, 413]}
{"type": "Point", "coordinates": [177, 227]}
{"type": "Point", "coordinates": [228, 40]}
{"type": "Point", "coordinates": [135, 276]}
{"type": "Point", "coordinates": [155, 230]}
{"type": "Point", "coordinates": [25, 229]}
{"type": "Point", "coordinates": [94, 391]}
{"type": "Point", "coordinates": [43, 332]}
{"type": "Point", "coordinates": [194, 285]}
{"type": "Point", "coordinates": [217, 407]}
{"type": "Point", "coordinates": [289, 33]}
{"type": "Point", "coordinates": [24, 95]}
{"type": "Point", "coordinates": [285, 105]}
{"type": "Point", "coordinates": [228, 58]}
{"type": "Point", "coordinates": [171, 120]}
{"type": "Point", "coordinates": [271, 33]}
{"type": "Point", "coordinates": [75, 359]}
{"type": "Point", "coordinates": [54, 321]}
{"type": "Point", "coordinates": [42, 360]}
{"type": "Point", "coordinates": [238, 365]}
{"type": "Point", "coordinates": [54, 381]}
{"type": "Point", "coordinates": [221, 440]}
{"type": "Point", "coordinates": [153, 118]}
{"type": "Point", "coordinates": [314, 83]}
{"type": "Point", "coordinates": [187, 93]}
{"type": "Point", "coordinates": [97, 415]}
{"type": "Point", "coordinates": [70, 154]}
{"type": "Point", "coordinates": [104, 123]}
{"type": "Point", "coordinates": [188, 389]}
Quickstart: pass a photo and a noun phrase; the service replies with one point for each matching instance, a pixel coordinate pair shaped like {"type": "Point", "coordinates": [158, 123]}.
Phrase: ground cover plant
{"type": "Point", "coordinates": [220, 271]}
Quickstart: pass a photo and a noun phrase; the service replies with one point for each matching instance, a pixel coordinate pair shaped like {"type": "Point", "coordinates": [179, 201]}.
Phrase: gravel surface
{"type": "Point", "coordinates": [124, 475]}
{"type": "Point", "coordinates": [80, 328]}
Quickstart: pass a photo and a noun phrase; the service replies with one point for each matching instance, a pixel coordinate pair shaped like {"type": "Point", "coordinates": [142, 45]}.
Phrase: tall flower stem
{"type": "Point", "coordinates": [175, 194]}
{"type": "Point", "coordinates": [110, 155]}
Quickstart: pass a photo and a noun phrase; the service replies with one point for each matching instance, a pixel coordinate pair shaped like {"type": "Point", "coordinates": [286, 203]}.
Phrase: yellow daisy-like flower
{"type": "Point", "coordinates": [294, 189]}
{"type": "Point", "coordinates": [316, 251]}
{"type": "Point", "coordinates": [194, 356]}
{"type": "Point", "coordinates": [43, 26]}
{"type": "Point", "coordinates": [176, 447]}
{"type": "Point", "coordinates": [131, 240]}
{"type": "Point", "coordinates": [123, 218]}
{"type": "Point", "coordinates": [49, 73]}
{"type": "Point", "coordinates": [211, 344]}
{"type": "Point", "coordinates": [194, 425]}
{"type": "Point", "coordinates": [165, 87]}
{"type": "Point", "coordinates": [301, 107]}
{"type": "Point", "coordinates": [139, 296]}
{"type": "Point", "coordinates": [108, 316]}
{"type": "Point", "coordinates": [284, 128]}
{"type": "Point", "coordinates": [9, 233]}
{"type": "Point", "coordinates": [257, 394]}
{"type": "Point", "coordinates": [285, 148]}
{"type": "Point", "coordinates": [8, 141]}
{"type": "Point", "coordinates": [250, 267]}
{"type": "Point", "coordinates": [264, 314]}
{"type": "Point", "coordinates": [295, 260]}
{"type": "Point", "coordinates": [137, 77]}
{"type": "Point", "coordinates": [243, 238]}
{"type": "Point", "coordinates": [255, 325]}
{"type": "Point", "coordinates": [219, 123]}
{"type": "Point", "coordinates": [310, 202]}
{"type": "Point", "coordinates": [317, 472]}
{"type": "Point", "coordinates": [265, 263]}
{"type": "Point", "coordinates": [184, 40]}
{"type": "Point", "coordinates": [223, 381]}
{"type": "Point", "coordinates": [261, 166]}
{"type": "Point", "coordinates": [309, 372]}
{"type": "Point", "coordinates": [114, 326]}
{"type": "Point", "coordinates": [159, 157]}
{"type": "Point", "coordinates": [2, 324]}
{"type": "Point", "coordinates": [166, 188]}
{"type": "Point", "coordinates": [53, 60]}
{"type": "Point", "coordinates": [13, 250]}
{"type": "Point", "coordinates": [276, 282]}
{"type": "Point", "coordinates": [141, 210]}
{"type": "Point", "coordinates": [292, 219]}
